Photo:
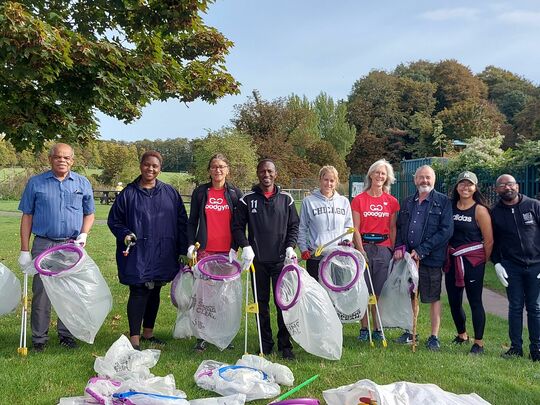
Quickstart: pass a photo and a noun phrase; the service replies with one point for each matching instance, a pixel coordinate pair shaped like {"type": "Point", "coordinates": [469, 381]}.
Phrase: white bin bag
{"type": "Point", "coordinates": [181, 291]}
{"type": "Point", "coordinates": [395, 301]}
{"type": "Point", "coordinates": [216, 305]}
{"type": "Point", "coordinates": [77, 290]}
{"type": "Point", "coordinates": [228, 379]}
{"type": "Point", "coordinates": [308, 313]}
{"type": "Point", "coordinates": [10, 291]}
{"type": "Point", "coordinates": [341, 273]}
{"type": "Point", "coordinates": [399, 393]}
{"type": "Point", "coordinates": [236, 399]}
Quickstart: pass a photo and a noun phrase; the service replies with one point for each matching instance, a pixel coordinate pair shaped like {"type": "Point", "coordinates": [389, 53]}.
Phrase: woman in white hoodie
{"type": "Point", "coordinates": [325, 215]}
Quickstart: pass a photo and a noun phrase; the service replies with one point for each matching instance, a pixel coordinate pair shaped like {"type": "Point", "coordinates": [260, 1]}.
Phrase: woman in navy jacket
{"type": "Point", "coordinates": [152, 215]}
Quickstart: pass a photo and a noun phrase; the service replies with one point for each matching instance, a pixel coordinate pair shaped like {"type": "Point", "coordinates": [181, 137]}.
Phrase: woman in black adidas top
{"type": "Point", "coordinates": [468, 250]}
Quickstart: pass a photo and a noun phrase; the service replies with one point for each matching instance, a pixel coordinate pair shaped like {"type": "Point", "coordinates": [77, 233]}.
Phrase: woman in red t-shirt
{"type": "Point", "coordinates": [210, 216]}
{"type": "Point", "coordinates": [374, 214]}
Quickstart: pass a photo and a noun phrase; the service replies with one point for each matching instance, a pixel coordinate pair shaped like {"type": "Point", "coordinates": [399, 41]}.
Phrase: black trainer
{"type": "Point", "coordinates": [288, 354]}
{"type": "Point", "coordinates": [535, 355]}
{"type": "Point", "coordinates": [433, 343]}
{"type": "Point", "coordinates": [476, 349]}
{"type": "Point", "coordinates": [39, 347]}
{"type": "Point", "coordinates": [512, 352]}
{"type": "Point", "coordinates": [68, 342]}
{"type": "Point", "coordinates": [201, 346]}
{"type": "Point", "coordinates": [459, 340]}
{"type": "Point", "coordinates": [153, 340]}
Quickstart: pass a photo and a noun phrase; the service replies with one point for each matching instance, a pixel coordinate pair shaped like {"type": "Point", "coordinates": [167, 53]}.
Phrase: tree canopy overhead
{"type": "Point", "coordinates": [62, 60]}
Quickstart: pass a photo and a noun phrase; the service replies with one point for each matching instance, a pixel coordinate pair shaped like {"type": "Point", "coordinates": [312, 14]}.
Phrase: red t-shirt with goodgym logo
{"type": "Point", "coordinates": [218, 222]}
{"type": "Point", "coordinates": [375, 213]}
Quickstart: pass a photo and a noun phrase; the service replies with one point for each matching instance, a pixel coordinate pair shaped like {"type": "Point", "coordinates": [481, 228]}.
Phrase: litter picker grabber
{"type": "Point", "coordinates": [252, 309]}
{"type": "Point", "coordinates": [23, 350]}
{"type": "Point", "coordinates": [130, 244]}
{"type": "Point", "coordinates": [193, 260]}
{"type": "Point", "coordinates": [320, 248]}
{"type": "Point", "coordinates": [415, 310]}
{"type": "Point", "coordinates": [373, 301]}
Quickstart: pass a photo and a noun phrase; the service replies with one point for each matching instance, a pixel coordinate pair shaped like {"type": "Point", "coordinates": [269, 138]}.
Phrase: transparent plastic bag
{"type": "Point", "coordinates": [123, 363]}
{"type": "Point", "coordinates": [236, 399]}
{"type": "Point", "coordinates": [400, 393]}
{"type": "Point", "coordinates": [395, 304]}
{"type": "Point", "coordinates": [281, 374]}
{"type": "Point", "coordinates": [10, 291]}
{"type": "Point", "coordinates": [216, 306]}
{"type": "Point", "coordinates": [181, 293]}
{"type": "Point", "coordinates": [309, 313]}
{"type": "Point", "coordinates": [77, 290]}
{"type": "Point", "coordinates": [228, 379]}
{"type": "Point", "coordinates": [341, 273]}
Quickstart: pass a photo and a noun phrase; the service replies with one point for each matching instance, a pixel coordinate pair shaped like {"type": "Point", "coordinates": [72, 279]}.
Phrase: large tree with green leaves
{"type": "Point", "coordinates": [60, 61]}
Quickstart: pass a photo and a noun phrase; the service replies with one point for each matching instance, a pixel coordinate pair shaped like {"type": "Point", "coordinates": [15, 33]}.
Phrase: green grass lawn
{"type": "Point", "coordinates": [45, 377]}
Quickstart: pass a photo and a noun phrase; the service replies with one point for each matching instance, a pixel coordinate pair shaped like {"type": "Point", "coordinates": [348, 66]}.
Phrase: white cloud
{"type": "Point", "coordinates": [443, 14]}
{"type": "Point", "coordinates": [520, 17]}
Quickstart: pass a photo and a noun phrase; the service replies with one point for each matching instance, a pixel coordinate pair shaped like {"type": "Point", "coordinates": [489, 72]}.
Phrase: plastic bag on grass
{"type": "Point", "coordinates": [234, 379]}
{"type": "Point", "coordinates": [395, 301]}
{"type": "Point", "coordinates": [80, 400]}
{"type": "Point", "coordinates": [77, 290]}
{"type": "Point", "coordinates": [101, 389]}
{"type": "Point", "coordinates": [216, 306]}
{"type": "Point", "coordinates": [236, 399]}
{"type": "Point", "coordinates": [181, 292]}
{"type": "Point", "coordinates": [122, 362]}
{"type": "Point", "coordinates": [10, 291]}
{"type": "Point", "coordinates": [308, 313]}
{"type": "Point", "coordinates": [341, 273]}
{"type": "Point", "coordinates": [146, 398]}
{"type": "Point", "coordinates": [400, 393]}
{"type": "Point", "coordinates": [282, 374]}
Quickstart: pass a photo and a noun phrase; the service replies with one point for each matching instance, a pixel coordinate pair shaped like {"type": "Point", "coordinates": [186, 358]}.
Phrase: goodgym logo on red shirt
{"type": "Point", "coordinates": [217, 204]}
{"type": "Point", "coordinates": [377, 210]}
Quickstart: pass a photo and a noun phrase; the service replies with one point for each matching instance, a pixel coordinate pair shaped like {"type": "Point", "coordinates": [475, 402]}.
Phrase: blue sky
{"type": "Point", "coordinates": [309, 46]}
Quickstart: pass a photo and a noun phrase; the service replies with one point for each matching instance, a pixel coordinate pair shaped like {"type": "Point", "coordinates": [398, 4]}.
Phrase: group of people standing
{"type": "Point", "coordinates": [451, 236]}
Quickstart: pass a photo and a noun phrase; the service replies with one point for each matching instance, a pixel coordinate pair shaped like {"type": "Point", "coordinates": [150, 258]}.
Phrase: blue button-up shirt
{"type": "Point", "coordinates": [57, 206]}
{"type": "Point", "coordinates": [417, 220]}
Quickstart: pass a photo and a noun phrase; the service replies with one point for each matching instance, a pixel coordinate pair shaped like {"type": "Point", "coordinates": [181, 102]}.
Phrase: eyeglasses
{"type": "Point", "coordinates": [214, 168]}
{"type": "Point", "coordinates": [57, 157]}
{"type": "Point", "coordinates": [507, 184]}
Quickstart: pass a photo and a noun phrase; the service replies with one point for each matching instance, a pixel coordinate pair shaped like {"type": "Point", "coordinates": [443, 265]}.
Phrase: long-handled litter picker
{"type": "Point", "coordinates": [23, 350]}
{"type": "Point", "coordinates": [252, 309]}
{"type": "Point", "coordinates": [320, 249]}
{"type": "Point", "coordinates": [415, 309]}
{"type": "Point", "coordinates": [373, 301]}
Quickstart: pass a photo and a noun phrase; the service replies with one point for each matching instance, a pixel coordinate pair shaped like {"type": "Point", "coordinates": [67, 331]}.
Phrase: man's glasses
{"type": "Point", "coordinates": [507, 184]}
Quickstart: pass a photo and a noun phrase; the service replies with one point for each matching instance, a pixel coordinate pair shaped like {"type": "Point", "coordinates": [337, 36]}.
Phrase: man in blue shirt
{"type": "Point", "coordinates": [424, 227]}
{"type": "Point", "coordinates": [57, 206]}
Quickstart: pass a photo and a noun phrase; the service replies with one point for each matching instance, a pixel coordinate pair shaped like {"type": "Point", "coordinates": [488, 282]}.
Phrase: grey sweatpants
{"type": "Point", "coordinates": [40, 317]}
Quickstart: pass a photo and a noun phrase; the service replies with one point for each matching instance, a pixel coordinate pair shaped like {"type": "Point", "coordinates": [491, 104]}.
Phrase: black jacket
{"type": "Point", "coordinates": [197, 231]}
{"type": "Point", "coordinates": [516, 231]}
{"type": "Point", "coordinates": [272, 224]}
{"type": "Point", "coordinates": [436, 232]}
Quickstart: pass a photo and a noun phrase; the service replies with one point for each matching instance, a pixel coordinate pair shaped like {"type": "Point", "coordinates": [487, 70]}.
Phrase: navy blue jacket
{"type": "Point", "coordinates": [158, 218]}
{"type": "Point", "coordinates": [436, 232]}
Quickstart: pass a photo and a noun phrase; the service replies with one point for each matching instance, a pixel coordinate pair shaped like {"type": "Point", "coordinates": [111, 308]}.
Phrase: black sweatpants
{"type": "Point", "coordinates": [267, 274]}
{"type": "Point", "coordinates": [142, 307]}
{"type": "Point", "coordinates": [312, 266]}
{"type": "Point", "coordinates": [474, 280]}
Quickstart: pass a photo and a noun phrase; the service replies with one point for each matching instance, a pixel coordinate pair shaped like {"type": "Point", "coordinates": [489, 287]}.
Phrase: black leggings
{"type": "Point", "coordinates": [474, 280]}
{"type": "Point", "coordinates": [142, 308]}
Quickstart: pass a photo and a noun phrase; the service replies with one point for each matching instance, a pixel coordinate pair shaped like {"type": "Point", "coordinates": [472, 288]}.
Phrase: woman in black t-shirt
{"type": "Point", "coordinates": [468, 250]}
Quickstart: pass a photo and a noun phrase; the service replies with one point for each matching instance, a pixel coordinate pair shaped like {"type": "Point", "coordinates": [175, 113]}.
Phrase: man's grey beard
{"type": "Point", "coordinates": [425, 189]}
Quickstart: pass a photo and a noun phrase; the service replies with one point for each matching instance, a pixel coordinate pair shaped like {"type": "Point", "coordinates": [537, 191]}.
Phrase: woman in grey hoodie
{"type": "Point", "coordinates": [324, 216]}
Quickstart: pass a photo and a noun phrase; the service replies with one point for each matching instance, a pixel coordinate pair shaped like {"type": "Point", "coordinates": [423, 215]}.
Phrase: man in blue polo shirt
{"type": "Point", "coordinates": [424, 227]}
{"type": "Point", "coordinates": [57, 206]}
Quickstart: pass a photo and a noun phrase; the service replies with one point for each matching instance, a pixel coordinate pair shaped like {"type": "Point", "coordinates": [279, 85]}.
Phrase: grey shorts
{"type": "Point", "coordinates": [379, 259]}
{"type": "Point", "coordinates": [429, 284]}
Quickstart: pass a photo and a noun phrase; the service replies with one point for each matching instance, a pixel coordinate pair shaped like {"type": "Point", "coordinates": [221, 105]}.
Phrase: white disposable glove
{"type": "Point", "coordinates": [290, 253]}
{"type": "Point", "coordinates": [501, 274]}
{"type": "Point", "coordinates": [247, 257]}
{"type": "Point", "coordinates": [26, 263]}
{"type": "Point", "coordinates": [81, 239]}
{"type": "Point", "coordinates": [191, 252]}
{"type": "Point", "coordinates": [232, 255]}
